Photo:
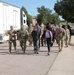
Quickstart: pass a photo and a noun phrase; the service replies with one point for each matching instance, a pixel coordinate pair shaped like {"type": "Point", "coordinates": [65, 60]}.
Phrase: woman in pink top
{"type": "Point", "coordinates": [48, 36]}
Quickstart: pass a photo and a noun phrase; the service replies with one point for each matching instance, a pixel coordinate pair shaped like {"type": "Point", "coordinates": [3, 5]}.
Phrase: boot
{"type": "Point", "coordinates": [9, 50]}
{"type": "Point", "coordinates": [24, 49]}
{"type": "Point", "coordinates": [15, 47]}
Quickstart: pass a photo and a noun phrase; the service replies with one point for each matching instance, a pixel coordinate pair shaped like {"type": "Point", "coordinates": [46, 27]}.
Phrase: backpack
{"type": "Point", "coordinates": [47, 35]}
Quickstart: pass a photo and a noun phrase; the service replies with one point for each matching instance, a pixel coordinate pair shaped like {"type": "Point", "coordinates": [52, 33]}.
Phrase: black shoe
{"type": "Point", "coordinates": [15, 48]}
{"type": "Point", "coordinates": [9, 52]}
{"type": "Point", "coordinates": [48, 53]}
{"type": "Point", "coordinates": [22, 48]}
{"type": "Point", "coordinates": [60, 50]}
{"type": "Point", "coordinates": [23, 51]}
{"type": "Point", "coordinates": [37, 52]}
{"type": "Point", "coordinates": [34, 51]}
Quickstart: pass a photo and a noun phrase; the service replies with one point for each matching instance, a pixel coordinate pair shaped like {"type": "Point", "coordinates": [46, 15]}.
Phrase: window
{"type": "Point", "coordinates": [24, 21]}
{"type": "Point", "coordinates": [24, 15]}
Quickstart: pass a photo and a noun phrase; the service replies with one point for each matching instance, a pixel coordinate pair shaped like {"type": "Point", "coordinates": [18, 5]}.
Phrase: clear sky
{"type": "Point", "coordinates": [31, 5]}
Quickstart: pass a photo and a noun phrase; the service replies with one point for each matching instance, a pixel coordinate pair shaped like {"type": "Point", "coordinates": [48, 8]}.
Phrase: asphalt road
{"type": "Point", "coordinates": [29, 63]}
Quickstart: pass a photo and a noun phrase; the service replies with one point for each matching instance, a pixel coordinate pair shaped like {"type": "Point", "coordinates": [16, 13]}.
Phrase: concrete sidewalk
{"type": "Point", "coordinates": [29, 63]}
{"type": "Point", "coordinates": [64, 63]}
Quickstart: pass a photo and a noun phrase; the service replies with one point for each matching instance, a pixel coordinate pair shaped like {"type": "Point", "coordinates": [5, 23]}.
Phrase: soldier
{"type": "Point", "coordinates": [30, 37]}
{"type": "Point", "coordinates": [67, 36]}
{"type": "Point", "coordinates": [12, 38]}
{"type": "Point", "coordinates": [23, 33]}
{"type": "Point", "coordinates": [43, 34]}
{"type": "Point", "coordinates": [60, 36]}
{"type": "Point", "coordinates": [56, 34]}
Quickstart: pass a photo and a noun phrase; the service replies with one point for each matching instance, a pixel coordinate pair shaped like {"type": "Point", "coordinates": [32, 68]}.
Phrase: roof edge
{"type": "Point", "coordinates": [9, 4]}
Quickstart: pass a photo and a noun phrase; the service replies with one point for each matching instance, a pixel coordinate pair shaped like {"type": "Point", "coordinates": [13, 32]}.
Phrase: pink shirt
{"type": "Point", "coordinates": [48, 34]}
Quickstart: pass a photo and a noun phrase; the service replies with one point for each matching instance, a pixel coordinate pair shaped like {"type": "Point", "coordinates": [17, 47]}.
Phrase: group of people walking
{"type": "Point", "coordinates": [39, 35]}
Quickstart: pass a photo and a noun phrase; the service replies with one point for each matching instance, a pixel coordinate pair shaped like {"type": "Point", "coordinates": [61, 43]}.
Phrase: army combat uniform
{"type": "Point", "coordinates": [23, 38]}
{"type": "Point", "coordinates": [60, 37]}
{"type": "Point", "coordinates": [30, 37]}
{"type": "Point", "coordinates": [67, 36]}
{"type": "Point", "coordinates": [12, 39]}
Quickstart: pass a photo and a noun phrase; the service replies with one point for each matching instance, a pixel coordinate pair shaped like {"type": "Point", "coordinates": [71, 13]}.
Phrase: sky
{"type": "Point", "coordinates": [31, 5]}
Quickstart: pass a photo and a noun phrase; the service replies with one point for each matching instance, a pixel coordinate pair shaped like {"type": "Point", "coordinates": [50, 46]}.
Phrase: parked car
{"type": "Point", "coordinates": [72, 31]}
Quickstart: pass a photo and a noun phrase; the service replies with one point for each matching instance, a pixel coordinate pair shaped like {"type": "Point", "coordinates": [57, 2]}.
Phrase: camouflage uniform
{"type": "Point", "coordinates": [23, 38]}
{"type": "Point", "coordinates": [12, 39]}
{"type": "Point", "coordinates": [60, 37]}
{"type": "Point", "coordinates": [30, 37]}
{"type": "Point", "coordinates": [67, 36]}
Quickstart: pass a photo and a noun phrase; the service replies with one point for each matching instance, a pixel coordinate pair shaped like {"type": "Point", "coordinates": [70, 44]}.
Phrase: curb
{"type": "Point", "coordinates": [71, 44]}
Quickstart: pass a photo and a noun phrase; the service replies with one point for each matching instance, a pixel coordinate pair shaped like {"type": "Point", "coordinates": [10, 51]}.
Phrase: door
{"type": "Point", "coordinates": [15, 19]}
{"type": "Point", "coordinates": [5, 17]}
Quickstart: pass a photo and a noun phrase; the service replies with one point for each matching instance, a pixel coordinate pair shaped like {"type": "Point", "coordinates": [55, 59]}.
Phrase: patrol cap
{"type": "Point", "coordinates": [60, 25]}
{"type": "Point", "coordinates": [11, 26]}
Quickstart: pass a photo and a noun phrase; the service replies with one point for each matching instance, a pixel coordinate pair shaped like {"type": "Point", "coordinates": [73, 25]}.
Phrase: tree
{"type": "Point", "coordinates": [24, 9]}
{"type": "Point", "coordinates": [55, 18]}
{"type": "Point", "coordinates": [65, 9]}
{"type": "Point", "coordinates": [29, 18]}
{"type": "Point", "coordinates": [45, 15]}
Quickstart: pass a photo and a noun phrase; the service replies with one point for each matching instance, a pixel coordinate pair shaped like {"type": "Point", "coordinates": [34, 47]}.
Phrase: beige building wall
{"type": "Point", "coordinates": [34, 20]}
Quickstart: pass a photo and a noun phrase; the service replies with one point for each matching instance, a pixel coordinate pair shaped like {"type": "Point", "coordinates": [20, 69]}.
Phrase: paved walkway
{"type": "Point", "coordinates": [64, 63]}
{"type": "Point", "coordinates": [33, 64]}
{"type": "Point", "coordinates": [28, 63]}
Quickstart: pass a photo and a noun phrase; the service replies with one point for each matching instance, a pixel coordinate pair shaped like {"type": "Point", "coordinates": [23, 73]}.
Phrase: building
{"type": "Point", "coordinates": [34, 20]}
{"type": "Point", "coordinates": [9, 15]}
{"type": "Point", "coordinates": [23, 18]}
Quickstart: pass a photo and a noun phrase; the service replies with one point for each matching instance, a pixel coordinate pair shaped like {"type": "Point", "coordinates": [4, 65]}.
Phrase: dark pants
{"type": "Point", "coordinates": [48, 44]}
{"type": "Point", "coordinates": [42, 41]}
{"type": "Point", "coordinates": [36, 44]}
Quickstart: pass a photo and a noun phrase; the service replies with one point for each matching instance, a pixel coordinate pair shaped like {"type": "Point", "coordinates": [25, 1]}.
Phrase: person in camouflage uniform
{"type": "Point", "coordinates": [60, 37]}
{"type": "Point", "coordinates": [12, 38]}
{"type": "Point", "coordinates": [30, 37]}
{"type": "Point", "coordinates": [67, 36]}
{"type": "Point", "coordinates": [56, 35]}
{"type": "Point", "coordinates": [23, 33]}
